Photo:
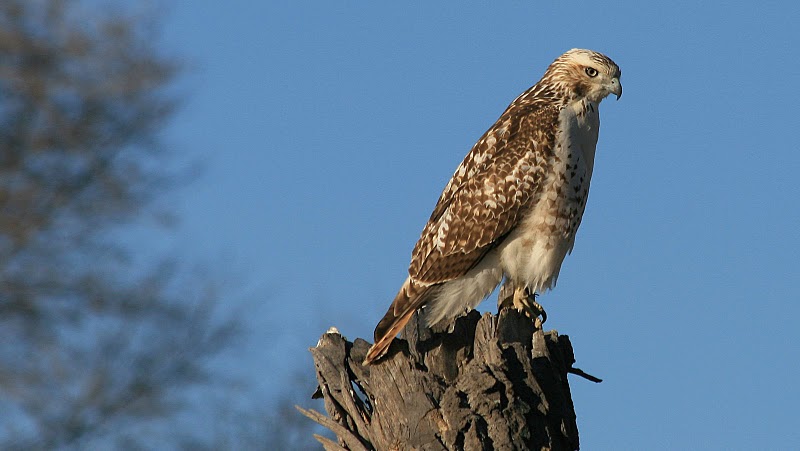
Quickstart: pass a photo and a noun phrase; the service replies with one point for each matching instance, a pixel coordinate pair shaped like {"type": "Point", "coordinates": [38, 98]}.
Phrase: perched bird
{"type": "Point", "coordinates": [514, 204]}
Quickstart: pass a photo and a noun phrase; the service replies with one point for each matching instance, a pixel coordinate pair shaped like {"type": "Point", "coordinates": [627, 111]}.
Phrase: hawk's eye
{"type": "Point", "coordinates": [591, 71]}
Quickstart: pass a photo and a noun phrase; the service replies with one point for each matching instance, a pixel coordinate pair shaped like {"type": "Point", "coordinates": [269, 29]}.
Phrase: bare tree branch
{"type": "Point", "coordinates": [94, 347]}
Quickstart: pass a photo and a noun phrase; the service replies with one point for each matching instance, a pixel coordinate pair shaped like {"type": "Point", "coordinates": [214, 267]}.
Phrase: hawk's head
{"type": "Point", "coordinates": [586, 74]}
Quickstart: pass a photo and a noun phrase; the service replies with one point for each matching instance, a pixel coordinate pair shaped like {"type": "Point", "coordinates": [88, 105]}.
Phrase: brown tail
{"type": "Point", "coordinates": [410, 297]}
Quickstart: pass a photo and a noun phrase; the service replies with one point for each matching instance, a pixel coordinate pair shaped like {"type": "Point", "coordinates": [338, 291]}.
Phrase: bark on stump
{"type": "Point", "coordinates": [492, 383]}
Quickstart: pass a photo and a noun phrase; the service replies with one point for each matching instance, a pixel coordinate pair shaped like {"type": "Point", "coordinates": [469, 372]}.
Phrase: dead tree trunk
{"type": "Point", "coordinates": [492, 383]}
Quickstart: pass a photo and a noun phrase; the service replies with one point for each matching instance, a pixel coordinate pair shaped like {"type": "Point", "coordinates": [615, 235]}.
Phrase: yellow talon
{"type": "Point", "coordinates": [524, 301]}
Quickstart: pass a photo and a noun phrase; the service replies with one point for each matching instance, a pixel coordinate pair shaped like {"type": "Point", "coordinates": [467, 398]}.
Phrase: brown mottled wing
{"type": "Point", "coordinates": [488, 194]}
{"type": "Point", "coordinates": [483, 201]}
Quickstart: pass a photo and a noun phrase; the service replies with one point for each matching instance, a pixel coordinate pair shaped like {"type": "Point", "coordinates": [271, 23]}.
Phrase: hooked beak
{"type": "Point", "coordinates": [616, 87]}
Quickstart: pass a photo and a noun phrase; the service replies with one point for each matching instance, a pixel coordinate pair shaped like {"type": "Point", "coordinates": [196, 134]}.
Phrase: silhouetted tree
{"type": "Point", "coordinates": [92, 349]}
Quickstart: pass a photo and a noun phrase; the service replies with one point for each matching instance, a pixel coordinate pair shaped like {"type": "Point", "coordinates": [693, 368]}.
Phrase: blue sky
{"type": "Point", "coordinates": [328, 130]}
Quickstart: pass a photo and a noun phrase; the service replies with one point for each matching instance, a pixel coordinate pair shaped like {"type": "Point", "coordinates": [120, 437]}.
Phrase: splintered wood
{"type": "Point", "coordinates": [492, 383]}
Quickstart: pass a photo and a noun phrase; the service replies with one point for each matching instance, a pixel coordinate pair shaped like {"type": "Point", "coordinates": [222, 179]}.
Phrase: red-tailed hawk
{"type": "Point", "coordinates": [514, 204]}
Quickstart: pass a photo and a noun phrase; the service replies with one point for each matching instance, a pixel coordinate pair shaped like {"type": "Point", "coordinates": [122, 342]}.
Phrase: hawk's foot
{"type": "Point", "coordinates": [525, 301]}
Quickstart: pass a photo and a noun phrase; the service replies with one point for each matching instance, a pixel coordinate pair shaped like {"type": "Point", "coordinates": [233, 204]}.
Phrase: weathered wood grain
{"type": "Point", "coordinates": [493, 382]}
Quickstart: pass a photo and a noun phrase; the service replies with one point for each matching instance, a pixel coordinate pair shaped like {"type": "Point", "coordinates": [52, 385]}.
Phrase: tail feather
{"type": "Point", "coordinates": [410, 297]}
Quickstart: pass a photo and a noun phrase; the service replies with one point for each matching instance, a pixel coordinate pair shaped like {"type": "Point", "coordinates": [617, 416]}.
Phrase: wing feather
{"type": "Point", "coordinates": [486, 197]}
{"type": "Point", "coordinates": [488, 194]}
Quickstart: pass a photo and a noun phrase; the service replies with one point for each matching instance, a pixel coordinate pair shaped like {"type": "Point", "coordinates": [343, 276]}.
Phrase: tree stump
{"type": "Point", "coordinates": [492, 382]}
